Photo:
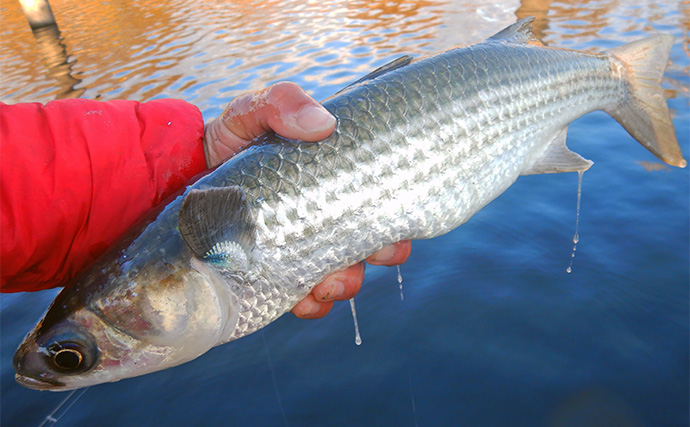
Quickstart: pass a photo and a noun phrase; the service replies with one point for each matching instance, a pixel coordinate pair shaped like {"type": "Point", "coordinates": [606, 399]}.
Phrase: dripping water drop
{"type": "Point", "coordinates": [400, 280]}
{"type": "Point", "coordinates": [358, 338]}
{"type": "Point", "coordinates": [576, 236]}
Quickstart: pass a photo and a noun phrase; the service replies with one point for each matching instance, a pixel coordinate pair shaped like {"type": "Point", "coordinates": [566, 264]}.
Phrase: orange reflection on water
{"type": "Point", "coordinates": [209, 51]}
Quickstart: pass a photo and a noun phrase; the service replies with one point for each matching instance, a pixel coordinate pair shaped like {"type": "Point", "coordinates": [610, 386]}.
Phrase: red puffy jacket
{"type": "Point", "coordinates": [75, 174]}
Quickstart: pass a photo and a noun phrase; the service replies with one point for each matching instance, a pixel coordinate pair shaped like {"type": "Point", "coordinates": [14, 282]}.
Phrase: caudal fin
{"type": "Point", "coordinates": [644, 114]}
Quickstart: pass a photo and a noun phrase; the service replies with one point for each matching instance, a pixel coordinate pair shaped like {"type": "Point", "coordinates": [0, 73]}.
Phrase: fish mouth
{"type": "Point", "coordinates": [37, 384]}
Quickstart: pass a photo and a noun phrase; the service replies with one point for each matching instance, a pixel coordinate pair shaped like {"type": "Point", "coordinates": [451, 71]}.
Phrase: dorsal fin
{"type": "Point", "coordinates": [393, 65]}
{"type": "Point", "coordinates": [519, 32]}
{"type": "Point", "coordinates": [217, 226]}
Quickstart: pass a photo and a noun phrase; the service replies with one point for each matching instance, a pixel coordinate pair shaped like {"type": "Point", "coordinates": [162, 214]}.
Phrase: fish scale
{"type": "Point", "coordinates": [419, 147]}
{"type": "Point", "coordinates": [445, 152]}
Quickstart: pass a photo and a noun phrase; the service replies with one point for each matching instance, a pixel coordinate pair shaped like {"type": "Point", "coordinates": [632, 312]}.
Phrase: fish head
{"type": "Point", "coordinates": [126, 322]}
{"type": "Point", "coordinates": [49, 354]}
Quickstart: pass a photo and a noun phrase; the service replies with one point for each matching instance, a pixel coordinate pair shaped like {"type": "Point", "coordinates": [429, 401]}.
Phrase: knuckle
{"type": "Point", "coordinates": [280, 91]}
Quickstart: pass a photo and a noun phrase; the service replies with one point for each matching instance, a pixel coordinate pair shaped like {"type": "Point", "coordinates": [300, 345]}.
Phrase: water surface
{"type": "Point", "coordinates": [492, 330]}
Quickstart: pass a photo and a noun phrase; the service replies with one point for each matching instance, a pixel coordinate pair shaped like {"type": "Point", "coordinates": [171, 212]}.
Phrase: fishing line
{"type": "Point", "coordinates": [273, 377]}
{"type": "Point", "coordinates": [414, 407]}
{"type": "Point", "coordinates": [52, 419]}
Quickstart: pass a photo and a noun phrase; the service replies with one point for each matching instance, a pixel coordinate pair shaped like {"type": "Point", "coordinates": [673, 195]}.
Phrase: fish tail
{"type": "Point", "coordinates": [644, 112]}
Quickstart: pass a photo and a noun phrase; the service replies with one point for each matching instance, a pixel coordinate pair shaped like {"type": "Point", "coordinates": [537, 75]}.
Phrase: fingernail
{"type": "Point", "coordinates": [314, 118]}
{"type": "Point", "coordinates": [384, 255]}
{"type": "Point", "coordinates": [313, 309]}
{"type": "Point", "coordinates": [337, 289]}
{"type": "Point", "coordinates": [307, 308]}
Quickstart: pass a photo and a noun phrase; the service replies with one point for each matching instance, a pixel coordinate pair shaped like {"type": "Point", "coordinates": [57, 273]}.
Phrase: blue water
{"type": "Point", "coordinates": [492, 330]}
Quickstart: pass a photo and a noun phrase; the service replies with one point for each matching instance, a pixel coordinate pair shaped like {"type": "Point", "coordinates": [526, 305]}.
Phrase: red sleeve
{"type": "Point", "coordinates": [75, 174]}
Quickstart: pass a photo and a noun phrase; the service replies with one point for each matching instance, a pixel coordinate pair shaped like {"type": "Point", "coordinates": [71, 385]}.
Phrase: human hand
{"type": "Point", "coordinates": [284, 108]}
{"type": "Point", "coordinates": [344, 284]}
{"type": "Point", "coordinates": [290, 112]}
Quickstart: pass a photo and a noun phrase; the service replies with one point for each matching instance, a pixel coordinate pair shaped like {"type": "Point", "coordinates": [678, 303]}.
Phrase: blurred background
{"type": "Point", "coordinates": [492, 330]}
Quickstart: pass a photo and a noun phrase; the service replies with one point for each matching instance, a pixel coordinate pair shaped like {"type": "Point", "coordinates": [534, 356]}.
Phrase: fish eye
{"type": "Point", "coordinates": [69, 357]}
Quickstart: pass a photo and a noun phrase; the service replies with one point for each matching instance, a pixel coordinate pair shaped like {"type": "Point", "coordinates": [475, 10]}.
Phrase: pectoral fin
{"type": "Point", "coordinates": [217, 226]}
{"type": "Point", "coordinates": [558, 158]}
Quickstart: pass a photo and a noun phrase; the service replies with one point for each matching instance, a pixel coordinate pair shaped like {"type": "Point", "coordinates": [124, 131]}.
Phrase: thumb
{"type": "Point", "coordinates": [290, 112]}
{"type": "Point", "coordinates": [284, 108]}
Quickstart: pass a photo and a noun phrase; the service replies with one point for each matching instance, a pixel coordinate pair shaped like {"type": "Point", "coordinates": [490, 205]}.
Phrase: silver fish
{"type": "Point", "coordinates": [419, 147]}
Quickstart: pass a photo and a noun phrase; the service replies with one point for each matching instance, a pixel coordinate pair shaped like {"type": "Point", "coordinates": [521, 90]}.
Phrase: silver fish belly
{"type": "Point", "coordinates": [419, 147]}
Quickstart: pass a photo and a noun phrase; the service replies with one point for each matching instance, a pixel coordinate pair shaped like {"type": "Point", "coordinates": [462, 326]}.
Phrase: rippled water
{"type": "Point", "coordinates": [492, 329]}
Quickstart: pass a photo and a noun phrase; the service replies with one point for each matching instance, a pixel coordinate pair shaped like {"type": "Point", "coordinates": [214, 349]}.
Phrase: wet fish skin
{"type": "Point", "coordinates": [417, 151]}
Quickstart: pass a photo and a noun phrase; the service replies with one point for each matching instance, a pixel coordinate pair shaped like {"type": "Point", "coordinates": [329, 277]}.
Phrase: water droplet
{"type": "Point", "coordinates": [576, 236]}
{"type": "Point", "coordinates": [400, 280]}
{"type": "Point", "coordinates": [358, 338]}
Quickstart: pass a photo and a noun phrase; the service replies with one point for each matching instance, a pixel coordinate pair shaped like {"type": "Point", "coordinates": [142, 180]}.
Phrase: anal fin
{"type": "Point", "coordinates": [558, 158]}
